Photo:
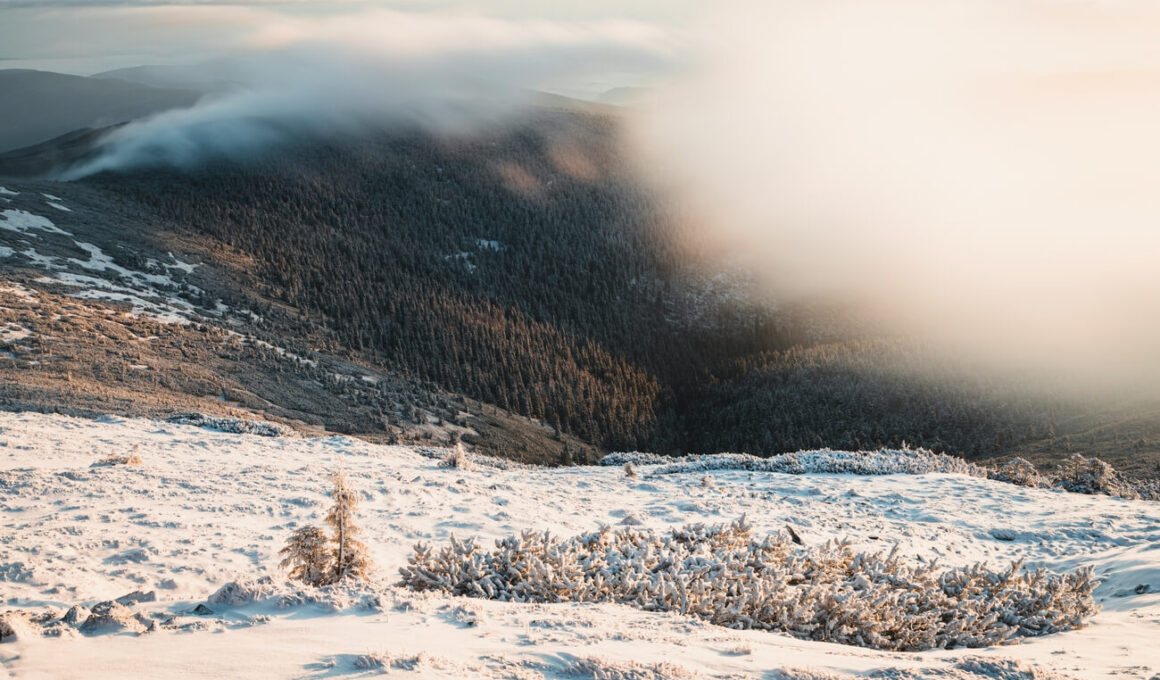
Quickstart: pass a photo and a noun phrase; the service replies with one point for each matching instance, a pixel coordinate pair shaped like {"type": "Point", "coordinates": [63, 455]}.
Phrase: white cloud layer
{"type": "Point", "coordinates": [981, 173]}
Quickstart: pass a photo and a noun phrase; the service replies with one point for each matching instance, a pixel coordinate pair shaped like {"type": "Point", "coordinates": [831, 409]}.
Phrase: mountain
{"type": "Point", "coordinates": [517, 287]}
{"type": "Point", "coordinates": [39, 105]}
{"type": "Point", "coordinates": [625, 96]}
{"type": "Point", "coordinates": [214, 76]}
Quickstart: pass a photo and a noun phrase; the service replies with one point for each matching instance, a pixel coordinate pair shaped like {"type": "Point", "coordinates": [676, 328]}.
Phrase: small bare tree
{"type": "Point", "coordinates": [308, 556]}
{"type": "Point", "coordinates": [350, 558]}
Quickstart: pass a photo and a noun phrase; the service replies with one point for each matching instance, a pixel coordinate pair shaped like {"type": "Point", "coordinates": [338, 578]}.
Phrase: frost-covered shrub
{"type": "Point", "coordinates": [881, 462]}
{"type": "Point", "coordinates": [457, 459]}
{"type": "Point", "coordinates": [477, 459]}
{"type": "Point", "coordinates": [1090, 476]}
{"type": "Point", "coordinates": [618, 458]}
{"type": "Point", "coordinates": [372, 660]}
{"type": "Point", "coordinates": [725, 575]}
{"type": "Point", "coordinates": [971, 668]}
{"type": "Point", "coordinates": [1077, 474]}
{"type": "Point", "coordinates": [1019, 471]}
{"type": "Point", "coordinates": [230, 425]}
{"type": "Point", "coordinates": [316, 559]}
{"type": "Point", "coordinates": [595, 668]}
{"type": "Point", "coordinates": [132, 459]}
{"type": "Point", "coordinates": [238, 593]}
{"type": "Point", "coordinates": [350, 557]}
{"type": "Point", "coordinates": [307, 556]}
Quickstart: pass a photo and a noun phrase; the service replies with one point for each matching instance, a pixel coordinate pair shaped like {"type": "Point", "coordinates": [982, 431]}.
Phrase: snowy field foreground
{"type": "Point", "coordinates": [205, 508]}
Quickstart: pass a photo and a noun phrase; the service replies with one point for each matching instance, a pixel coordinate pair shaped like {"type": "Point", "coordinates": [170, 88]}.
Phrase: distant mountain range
{"type": "Point", "coordinates": [38, 105]}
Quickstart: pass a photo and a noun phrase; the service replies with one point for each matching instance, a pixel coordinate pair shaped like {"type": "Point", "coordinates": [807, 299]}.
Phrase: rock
{"type": "Point", "coordinates": [59, 630]}
{"type": "Point", "coordinates": [76, 615]}
{"type": "Point", "coordinates": [15, 625]}
{"type": "Point", "coordinates": [202, 610]}
{"type": "Point", "coordinates": [111, 617]}
{"type": "Point", "coordinates": [136, 597]}
{"type": "Point", "coordinates": [132, 556]}
{"type": "Point", "coordinates": [1000, 534]}
{"type": "Point", "coordinates": [150, 624]}
{"type": "Point", "coordinates": [233, 594]}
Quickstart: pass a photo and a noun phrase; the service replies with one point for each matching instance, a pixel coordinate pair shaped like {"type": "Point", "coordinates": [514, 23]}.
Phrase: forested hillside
{"type": "Point", "coordinates": [526, 268]}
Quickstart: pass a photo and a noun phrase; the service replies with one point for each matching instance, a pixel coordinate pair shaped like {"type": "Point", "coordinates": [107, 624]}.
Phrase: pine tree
{"type": "Point", "coordinates": [308, 556]}
{"type": "Point", "coordinates": [350, 558]}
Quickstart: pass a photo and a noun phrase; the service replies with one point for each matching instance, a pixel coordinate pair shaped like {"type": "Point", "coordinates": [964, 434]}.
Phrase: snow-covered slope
{"type": "Point", "coordinates": [205, 508]}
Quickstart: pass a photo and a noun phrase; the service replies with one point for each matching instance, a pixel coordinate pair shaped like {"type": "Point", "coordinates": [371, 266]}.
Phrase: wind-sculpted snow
{"type": "Point", "coordinates": [732, 578]}
{"type": "Point", "coordinates": [882, 462]}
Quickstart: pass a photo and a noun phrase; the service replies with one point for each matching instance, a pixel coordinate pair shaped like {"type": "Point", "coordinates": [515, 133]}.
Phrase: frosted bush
{"type": "Point", "coordinates": [881, 462]}
{"type": "Point", "coordinates": [729, 577]}
{"type": "Point", "coordinates": [1019, 471]}
{"type": "Point", "coordinates": [130, 459]}
{"type": "Point", "coordinates": [457, 459]}
{"type": "Point", "coordinates": [1090, 476]}
{"type": "Point", "coordinates": [230, 425]}
{"type": "Point", "coordinates": [1078, 474]}
{"type": "Point", "coordinates": [595, 668]}
{"type": "Point", "coordinates": [477, 459]}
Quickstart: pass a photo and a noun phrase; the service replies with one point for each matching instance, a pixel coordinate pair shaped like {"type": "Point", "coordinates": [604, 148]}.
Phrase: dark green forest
{"type": "Point", "coordinates": [526, 268]}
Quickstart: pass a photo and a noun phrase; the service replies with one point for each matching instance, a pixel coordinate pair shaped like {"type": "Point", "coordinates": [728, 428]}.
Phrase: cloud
{"type": "Point", "coordinates": [445, 71]}
{"type": "Point", "coordinates": [979, 174]}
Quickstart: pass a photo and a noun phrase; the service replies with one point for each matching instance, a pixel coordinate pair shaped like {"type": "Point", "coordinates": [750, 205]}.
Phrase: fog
{"type": "Point", "coordinates": [448, 72]}
{"type": "Point", "coordinates": [978, 175]}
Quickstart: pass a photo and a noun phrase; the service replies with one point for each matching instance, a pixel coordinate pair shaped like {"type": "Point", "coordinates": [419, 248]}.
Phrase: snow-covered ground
{"type": "Point", "coordinates": [150, 294]}
{"type": "Point", "coordinates": [205, 508]}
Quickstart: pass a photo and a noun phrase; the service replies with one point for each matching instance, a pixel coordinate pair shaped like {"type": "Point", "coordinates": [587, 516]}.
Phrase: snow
{"type": "Point", "coordinates": [12, 332]}
{"type": "Point", "coordinates": [206, 508]}
{"type": "Point", "coordinates": [150, 295]}
{"type": "Point", "coordinates": [15, 291]}
{"type": "Point", "coordinates": [168, 309]}
{"type": "Point", "coordinates": [22, 221]}
{"type": "Point", "coordinates": [184, 267]}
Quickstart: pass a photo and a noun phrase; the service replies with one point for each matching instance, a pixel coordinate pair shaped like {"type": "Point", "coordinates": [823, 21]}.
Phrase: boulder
{"type": "Point", "coordinates": [233, 594]}
{"type": "Point", "coordinates": [76, 615]}
{"type": "Point", "coordinates": [111, 617]}
{"type": "Point", "coordinates": [16, 625]}
{"type": "Point", "coordinates": [202, 610]}
{"type": "Point", "coordinates": [136, 597]}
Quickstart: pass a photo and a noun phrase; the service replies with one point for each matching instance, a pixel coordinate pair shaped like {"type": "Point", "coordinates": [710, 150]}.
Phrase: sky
{"type": "Point", "coordinates": [84, 37]}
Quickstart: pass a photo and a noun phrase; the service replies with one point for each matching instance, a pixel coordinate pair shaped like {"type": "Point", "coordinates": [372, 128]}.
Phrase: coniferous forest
{"type": "Point", "coordinates": [526, 267]}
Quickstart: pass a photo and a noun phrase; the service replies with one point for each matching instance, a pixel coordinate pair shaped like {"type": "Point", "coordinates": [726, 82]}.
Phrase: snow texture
{"type": "Point", "coordinates": [200, 522]}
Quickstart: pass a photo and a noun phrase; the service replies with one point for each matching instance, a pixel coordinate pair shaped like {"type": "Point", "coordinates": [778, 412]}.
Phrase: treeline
{"type": "Point", "coordinates": [858, 395]}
